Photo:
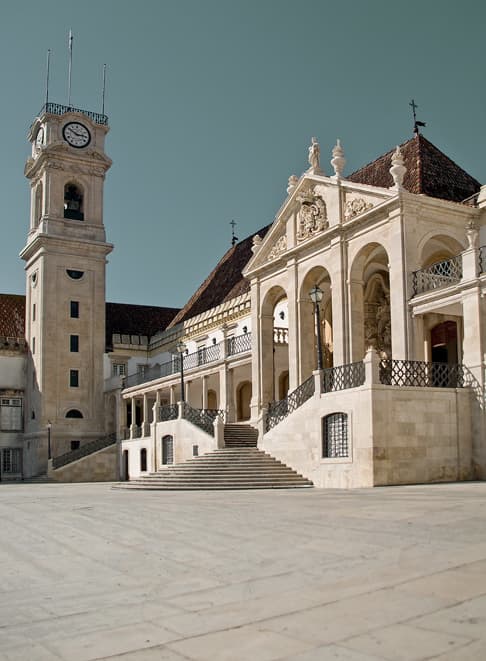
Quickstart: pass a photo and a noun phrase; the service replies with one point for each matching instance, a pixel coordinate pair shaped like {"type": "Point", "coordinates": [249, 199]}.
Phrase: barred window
{"type": "Point", "coordinates": [11, 416]}
{"type": "Point", "coordinates": [119, 369]}
{"type": "Point", "coordinates": [335, 435]}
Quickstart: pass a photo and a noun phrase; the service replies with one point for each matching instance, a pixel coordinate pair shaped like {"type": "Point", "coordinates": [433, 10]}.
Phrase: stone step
{"type": "Point", "coordinates": [240, 468]}
{"type": "Point", "coordinates": [243, 487]}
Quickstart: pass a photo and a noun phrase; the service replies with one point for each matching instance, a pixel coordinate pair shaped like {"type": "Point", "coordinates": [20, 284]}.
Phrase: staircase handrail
{"type": "Point", "coordinates": [278, 411]}
{"type": "Point", "coordinates": [84, 450]}
{"type": "Point", "coordinates": [202, 418]}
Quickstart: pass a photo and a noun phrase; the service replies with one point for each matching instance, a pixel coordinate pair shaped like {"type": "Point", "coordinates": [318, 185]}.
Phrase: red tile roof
{"type": "Point", "coordinates": [127, 319]}
{"type": "Point", "coordinates": [429, 171]}
{"type": "Point", "coordinates": [120, 318]}
{"type": "Point", "coordinates": [12, 315]}
{"type": "Point", "coordinates": [224, 282]}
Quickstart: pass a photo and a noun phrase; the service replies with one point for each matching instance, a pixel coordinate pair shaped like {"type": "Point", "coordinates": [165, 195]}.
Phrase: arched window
{"type": "Point", "coordinates": [74, 413]}
{"type": "Point", "coordinates": [38, 203]}
{"type": "Point", "coordinates": [143, 460]}
{"type": "Point", "coordinates": [335, 435]}
{"type": "Point", "coordinates": [73, 202]}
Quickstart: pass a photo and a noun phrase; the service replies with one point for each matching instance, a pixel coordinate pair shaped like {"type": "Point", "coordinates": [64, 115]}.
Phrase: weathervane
{"type": "Point", "coordinates": [416, 123]}
{"type": "Point", "coordinates": [234, 239]}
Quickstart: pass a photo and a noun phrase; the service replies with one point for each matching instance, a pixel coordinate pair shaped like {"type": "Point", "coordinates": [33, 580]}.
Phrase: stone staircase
{"type": "Point", "coordinates": [240, 465]}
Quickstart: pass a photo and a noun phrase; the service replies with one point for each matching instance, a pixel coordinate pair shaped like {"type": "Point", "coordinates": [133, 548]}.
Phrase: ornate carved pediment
{"type": "Point", "coordinates": [356, 206]}
{"type": "Point", "coordinates": [278, 248]}
{"type": "Point", "coordinates": [312, 215]}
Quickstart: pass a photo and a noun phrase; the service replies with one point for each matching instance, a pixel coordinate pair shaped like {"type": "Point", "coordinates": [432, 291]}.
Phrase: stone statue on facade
{"type": "Point", "coordinates": [314, 156]}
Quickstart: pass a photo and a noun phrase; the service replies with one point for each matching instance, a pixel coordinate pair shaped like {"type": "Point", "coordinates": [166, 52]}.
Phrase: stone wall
{"type": "Point", "coordinates": [101, 466]}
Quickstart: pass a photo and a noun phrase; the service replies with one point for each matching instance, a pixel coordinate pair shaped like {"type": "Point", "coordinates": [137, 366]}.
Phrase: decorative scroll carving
{"type": "Point", "coordinates": [356, 206]}
{"type": "Point", "coordinates": [279, 247]}
{"type": "Point", "coordinates": [312, 217]}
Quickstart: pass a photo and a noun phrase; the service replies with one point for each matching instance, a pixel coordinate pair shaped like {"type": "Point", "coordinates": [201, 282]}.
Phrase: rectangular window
{"type": "Point", "coordinates": [74, 378]}
{"type": "Point", "coordinates": [119, 369]}
{"type": "Point", "coordinates": [11, 415]}
{"type": "Point", "coordinates": [75, 445]}
{"type": "Point", "coordinates": [74, 309]}
{"type": "Point", "coordinates": [33, 312]}
{"type": "Point", "coordinates": [335, 435]}
{"type": "Point", "coordinates": [12, 461]}
{"type": "Point", "coordinates": [74, 343]}
{"type": "Point", "coordinates": [33, 345]}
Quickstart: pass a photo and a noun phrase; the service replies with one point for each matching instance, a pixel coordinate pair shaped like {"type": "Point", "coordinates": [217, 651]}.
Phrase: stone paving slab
{"type": "Point", "coordinates": [394, 573]}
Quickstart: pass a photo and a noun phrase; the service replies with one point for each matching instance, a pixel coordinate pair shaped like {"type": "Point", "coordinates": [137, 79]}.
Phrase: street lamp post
{"type": "Point", "coordinates": [49, 425]}
{"type": "Point", "coordinates": [316, 297]}
{"type": "Point", "coordinates": [181, 348]}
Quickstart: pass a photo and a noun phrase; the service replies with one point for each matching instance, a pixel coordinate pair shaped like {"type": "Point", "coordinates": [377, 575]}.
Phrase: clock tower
{"type": "Point", "coordinates": [65, 259]}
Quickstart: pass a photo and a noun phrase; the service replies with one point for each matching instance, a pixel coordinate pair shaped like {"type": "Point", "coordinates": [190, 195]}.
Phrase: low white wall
{"type": "Point", "coordinates": [395, 436]}
{"type": "Point", "coordinates": [297, 440]}
{"type": "Point", "coordinates": [185, 436]}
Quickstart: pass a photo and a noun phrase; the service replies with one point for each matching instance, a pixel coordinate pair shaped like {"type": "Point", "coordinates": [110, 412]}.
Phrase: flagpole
{"type": "Point", "coordinates": [47, 75]}
{"type": "Point", "coordinates": [70, 43]}
{"type": "Point", "coordinates": [103, 92]}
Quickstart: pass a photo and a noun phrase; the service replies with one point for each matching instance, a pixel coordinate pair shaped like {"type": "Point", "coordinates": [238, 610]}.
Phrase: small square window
{"type": "Point", "coordinates": [74, 378]}
{"type": "Point", "coordinates": [74, 343]}
{"type": "Point", "coordinates": [74, 309]}
{"type": "Point", "coordinates": [75, 445]}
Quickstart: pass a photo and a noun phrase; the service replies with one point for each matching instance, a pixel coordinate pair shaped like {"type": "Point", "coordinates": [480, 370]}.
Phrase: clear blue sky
{"type": "Point", "coordinates": [212, 104]}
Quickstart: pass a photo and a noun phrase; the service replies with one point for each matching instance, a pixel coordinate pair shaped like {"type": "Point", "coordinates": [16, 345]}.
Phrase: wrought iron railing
{"type": "Point", "coordinates": [238, 344]}
{"type": "Point", "coordinates": [136, 431]}
{"type": "Point", "coordinates": [12, 342]}
{"type": "Point", "coordinates": [343, 377]}
{"type": "Point", "coordinates": [421, 374]}
{"type": "Point", "coordinates": [204, 419]}
{"type": "Point", "coordinates": [202, 356]}
{"type": "Point", "coordinates": [278, 411]}
{"type": "Point", "coordinates": [441, 274]}
{"type": "Point", "coordinates": [168, 412]}
{"type": "Point", "coordinates": [59, 109]}
{"type": "Point", "coordinates": [83, 451]}
{"type": "Point", "coordinates": [482, 259]}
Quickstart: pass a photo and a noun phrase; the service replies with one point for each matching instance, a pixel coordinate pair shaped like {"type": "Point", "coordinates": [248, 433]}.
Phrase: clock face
{"type": "Point", "coordinates": [76, 134]}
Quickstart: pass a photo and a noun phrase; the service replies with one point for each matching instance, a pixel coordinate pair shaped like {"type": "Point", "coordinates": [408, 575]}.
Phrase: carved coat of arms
{"type": "Point", "coordinates": [312, 216]}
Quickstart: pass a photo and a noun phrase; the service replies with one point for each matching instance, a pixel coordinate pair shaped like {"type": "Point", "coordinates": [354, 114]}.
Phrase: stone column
{"type": "Point", "coordinates": [338, 302]}
{"type": "Point", "coordinates": [398, 291]}
{"type": "Point", "coordinates": [205, 391]}
{"type": "Point", "coordinates": [419, 341]}
{"type": "Point", "coordinates": [356, 320]}
{"type": "Point", "coordinates": [134, 417]}
{"type": "Point", "coordinates": [293, 321]}
{"type": "Point", "coordinates": [255, 350]}
{"type": "Point", "coordinates": [172, 395]}
{"type": "Point", "coordinates": [145, 416]}
{"type": "Point", "coordinates": [187, 388]}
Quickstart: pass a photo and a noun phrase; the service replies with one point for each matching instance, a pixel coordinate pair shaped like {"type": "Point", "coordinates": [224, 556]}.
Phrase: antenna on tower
{"type": "Point", "coordinates": [103, 91]}
{"type": "Point", "coordinates": [234, 239]}
{"type": "Point", "coordinates": [47, 74]}
{"type": "Point", "coordinates": [70, 45]}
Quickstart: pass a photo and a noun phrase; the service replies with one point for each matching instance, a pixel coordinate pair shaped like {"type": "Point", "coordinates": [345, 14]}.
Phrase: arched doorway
{"type": "Point", "coordinates": [443, 342]}
{"type": "Point", "coordinates": [243, 400]}
{"type": "Point", "coordinates": [370, 302]}
{"type": "Point", "coordinates": [307, 322]}
{"type": "Point", "coordinates": [212, 400]}
{"type": "Point", "coordinates": [274, 342]}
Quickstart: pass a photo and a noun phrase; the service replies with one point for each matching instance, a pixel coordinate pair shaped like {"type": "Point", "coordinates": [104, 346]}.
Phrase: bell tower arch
{"type": "Point", "coordinates": [65, 259]}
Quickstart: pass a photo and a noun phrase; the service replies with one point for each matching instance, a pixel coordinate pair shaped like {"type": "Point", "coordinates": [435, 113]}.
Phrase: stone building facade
{"type": "Point", "coordinates": [350, 331]}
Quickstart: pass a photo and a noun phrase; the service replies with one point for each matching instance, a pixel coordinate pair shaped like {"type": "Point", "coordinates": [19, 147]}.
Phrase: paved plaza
{"type": "Point", "coordinates": [395, 573]}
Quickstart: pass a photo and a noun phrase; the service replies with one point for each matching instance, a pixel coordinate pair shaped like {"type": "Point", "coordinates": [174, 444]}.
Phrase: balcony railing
{"type": "Point", "coordinates": [202, 418]}
{"type": "Point", "coordinates": [421, 374]}
{"type": "Point", "coordinates": [201, 357]}
{"type": "Point", "coordinates": [280, 335]}
{"type": "Point", "coordinates": [169, 412]}
{"type": "Point", "coordinates": [238, 344]}
{"type": "Point", "coordinates": [343, 377]}
{"type": "Point", "coordinates": [441, 274]}
{"type": "Point", "coordinates": [59, 109]}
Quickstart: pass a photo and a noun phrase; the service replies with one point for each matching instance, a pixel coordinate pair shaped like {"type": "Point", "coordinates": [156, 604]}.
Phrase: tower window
{"type": "Point", "coordinates": [74, 309]}
{"type": "Point", "coordinates": [75, 445]}
{"type": "Point", "coordinates": [33, 312]}
{"type": "Point", "coordinates": [73, 202]}
{"type": "Point", "coordinates": [33, 345]}
{"type": "Point", "coordinates": [74, 378]}
{"type": "Point", "coordinates": [74, 343]}
{"type": "Point", "coordinates": [74, 275]}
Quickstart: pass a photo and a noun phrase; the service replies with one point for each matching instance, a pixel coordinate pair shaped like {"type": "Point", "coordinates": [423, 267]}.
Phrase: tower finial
{"type": "Point", "coordinates": [416, 123]}
{"type": "Point", "coordinates": [234, 239]}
